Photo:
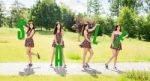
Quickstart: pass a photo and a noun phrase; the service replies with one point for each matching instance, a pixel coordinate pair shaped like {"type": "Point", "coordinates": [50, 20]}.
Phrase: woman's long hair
{"type": "Point", "coordinates": [83, 28]}
{"type": "Point", "coordinates": [29, 29]}
{"type": "Point", "coordinates": [55, 28]}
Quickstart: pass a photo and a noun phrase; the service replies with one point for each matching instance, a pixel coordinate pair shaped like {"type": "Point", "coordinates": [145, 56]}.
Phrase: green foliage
{"type": "Point", "coordinates": [1, 14]}
{"type": "Point", "coordinates": [46, 14]}
{"type": "Point", "coordinates": [93, 7]}
{"type": "Point", "coordinates": [138, 75]}
{"type": "Point", "coordinates": [127, 19]}
{"type": "Point", "coordinates": [117, 5]}
{"type": "Point", "coordinates": [67, 17]}
{"type": "Point", "coordinates": [147, 9]}
{"type": "Point", "coordinates": [106, 25]}
{"type": "Point", "coordinates": [145, 30]}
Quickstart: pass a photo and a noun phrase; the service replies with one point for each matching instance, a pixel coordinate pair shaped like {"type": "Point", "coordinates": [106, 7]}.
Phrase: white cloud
{"type": "Point", "coordinates": [75, 5]}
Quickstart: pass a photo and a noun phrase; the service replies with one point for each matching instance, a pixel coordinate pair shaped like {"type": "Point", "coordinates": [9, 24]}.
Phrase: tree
{"type": "Point", "coordinates": [145, 30]}
{"type": "Point", "coordinates": [147, 9]}
{"type": "Point", "coordinates": [67, 17]}
{"type": "Point", "coordinates": [15, 13]}
{"type": "Point", "coordinates": [46, 13]}
{"type": "Point", "coordinates": [117, 5]}
{"type": "Point", "coordinates": [1, 14]}
{"type": "Point", "coordinates": [128, 21]}
{"type": "Point", "coordinates": [93, 7]}
{"type": "Point", "coordinates": [140, 21]}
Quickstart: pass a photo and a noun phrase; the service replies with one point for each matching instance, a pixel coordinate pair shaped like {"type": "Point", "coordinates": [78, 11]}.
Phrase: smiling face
{"type": "Point", "coordinates": [31, 25]}
{"type": "Point", "coordinates": [58, 26]}
{"type": "Point", "coordinates": [118, 28]}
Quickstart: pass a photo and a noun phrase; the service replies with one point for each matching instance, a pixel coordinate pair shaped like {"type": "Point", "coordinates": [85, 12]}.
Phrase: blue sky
{"type": "Point", "coordinates": [76, 5]}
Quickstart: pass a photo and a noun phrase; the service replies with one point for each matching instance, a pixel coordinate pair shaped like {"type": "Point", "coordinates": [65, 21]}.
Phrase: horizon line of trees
{"type": "Point", "coordinates": [46, 12]}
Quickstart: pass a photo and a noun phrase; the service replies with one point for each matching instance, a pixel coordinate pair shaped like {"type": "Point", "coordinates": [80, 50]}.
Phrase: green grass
{"type": "Point", "coordinates": [129, 76]}
{"type": "Point", "coordinates": [59, 78]}
{"type": "Point", "coordinates": [13, 50]}
{"type": "Point", "coordinates": [138, 75]}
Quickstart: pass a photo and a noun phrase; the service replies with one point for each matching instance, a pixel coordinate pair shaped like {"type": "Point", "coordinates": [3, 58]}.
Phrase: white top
{"type": "Point", "coordinates": [116, 32]}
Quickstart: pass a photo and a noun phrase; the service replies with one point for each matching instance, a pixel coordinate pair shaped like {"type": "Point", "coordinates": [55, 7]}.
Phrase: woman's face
{"type": "Point", "coordinates": [58, 26]}
{"type": "Point", "coordinates": [31, 25]}
{"type": "Point", "coordinates": [118, 28]}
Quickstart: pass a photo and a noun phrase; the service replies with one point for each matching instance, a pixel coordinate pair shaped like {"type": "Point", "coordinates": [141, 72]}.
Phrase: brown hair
{"type": "Point", "coordinates": [29, 29]}
{"type": "Point", "coordinates": [55, 29]}
{"type": "Point", "coordinates": [83, 28]}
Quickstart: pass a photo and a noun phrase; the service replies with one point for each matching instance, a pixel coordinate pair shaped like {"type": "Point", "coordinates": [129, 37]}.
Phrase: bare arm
{"type": "Point", "coordinates": [62, 32]}
{"type": "Point", "coordinates": [55, 39]}
{"type": "Point", "coordinates": [112, 38]}
{"type": "Point", "coordinates": [32, 33]}
{"type": "Point", "coordinates": [92, 29]}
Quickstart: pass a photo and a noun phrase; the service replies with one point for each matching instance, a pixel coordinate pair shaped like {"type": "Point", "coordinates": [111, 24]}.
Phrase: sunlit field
{"type": "Point", "coordinates": [129, 76]}
{"type": "Point", "coordinates": [13, 50]}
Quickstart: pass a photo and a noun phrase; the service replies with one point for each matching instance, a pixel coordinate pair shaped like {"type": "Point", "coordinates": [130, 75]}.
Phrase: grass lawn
{"type": "Point", "coordinates": [60, 78]}
{"type": "Point", "coordinates": [13, 50]}
{"type": "Point", "coordinates": [129, 76]}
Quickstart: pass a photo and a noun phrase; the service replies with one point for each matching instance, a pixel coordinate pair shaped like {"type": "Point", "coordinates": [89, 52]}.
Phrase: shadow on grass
{"type": "Point", "coordinates": [60, 70]}
{"type": "Point", "coordinates": [27, 71]}
{"type": "Point", "coordinates": [4, 41]}
{"type": "Point", "coordinates": [117, 71]}
{"type": "Point", "coordinates": [92, 72]}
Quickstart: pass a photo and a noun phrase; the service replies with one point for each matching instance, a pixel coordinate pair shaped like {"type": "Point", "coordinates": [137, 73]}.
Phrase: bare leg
{"type": "Point", "coordinates": [33, 53]}
{"type": "Point", "coordinates": [116, 56]}
{"type": "Point", "coordinates": [84, 55]}
{"type": "Point", "coordinates": [91, 54]}
{"type": "Point", "coordinates": [29, 54]}
{"type": "Point", "coordinates": [78, 37]}
{"type": "Point", "coordinates": [53, 54]}
{"type": "Point", "coordinates": [63, 57]}
{"type": "Point", "coordinates": [113, 55]}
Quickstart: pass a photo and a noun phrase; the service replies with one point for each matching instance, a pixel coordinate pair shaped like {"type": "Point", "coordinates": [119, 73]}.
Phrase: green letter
{"type": "Point", "coordinates": [119, 38]}
{"type": "Point", "coordinates": [21, 33]}
{"type": "Point", "coordinates": [95, 34]}
{"type": "Point", "coordinates": [58, 57]}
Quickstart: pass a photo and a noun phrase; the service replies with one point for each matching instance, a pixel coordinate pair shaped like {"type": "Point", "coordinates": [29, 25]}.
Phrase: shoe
{"type": "Point", "coordinates": [106, 66]}
{"type": "Point", "coordinates": [84, 66]}
{"type": "Point", "coordinates": [115, 68]}
{"type": "Point", "coordinates": [38, 56]}
{"type": "Point", "coordinates": [51, 65]}
{"type": "Point", "coordinates": [65, 66]}
{"type": "Point", "coordinates": [30, 65]}
{"type": "Point", "coordinates": [87, 65]}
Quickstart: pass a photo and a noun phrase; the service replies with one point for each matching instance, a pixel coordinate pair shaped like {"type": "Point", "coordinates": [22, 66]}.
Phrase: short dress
{"type": "Point", "coordinates": [85, 43]}
{"type": "Point", "coordinates": [116, 35]}
{"type": "Point", "coordinates": [58, 39]}
{"type": "Point", "coordinates": [29, 41]}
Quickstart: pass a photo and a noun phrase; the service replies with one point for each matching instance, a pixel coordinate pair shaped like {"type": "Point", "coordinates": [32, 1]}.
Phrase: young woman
{"type": "Point", "coordinates": [58, 39]}
{"type": "Point", "coordinates": [86, 45]}
{"type": "Point", "coordinates": [115, 51]}
{"type": "Point", "coordinates": [29, 43]}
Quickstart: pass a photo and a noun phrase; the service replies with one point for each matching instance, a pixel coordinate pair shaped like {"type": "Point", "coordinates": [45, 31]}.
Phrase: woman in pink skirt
{"type": "Point", "coordinates": [29, 42]}
{"type": "Point", "coordinates": [115, 51]}
{"type": "Point", "coordinates": [86, 45]}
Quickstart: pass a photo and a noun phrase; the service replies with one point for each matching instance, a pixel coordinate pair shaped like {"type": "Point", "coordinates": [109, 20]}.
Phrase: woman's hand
{"type": "Point", "coordinates": [61, 43]}
{"type": "Point", "coordinates": [56, 43]}
{"type": "Point", "coordinates": [112, 44]}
